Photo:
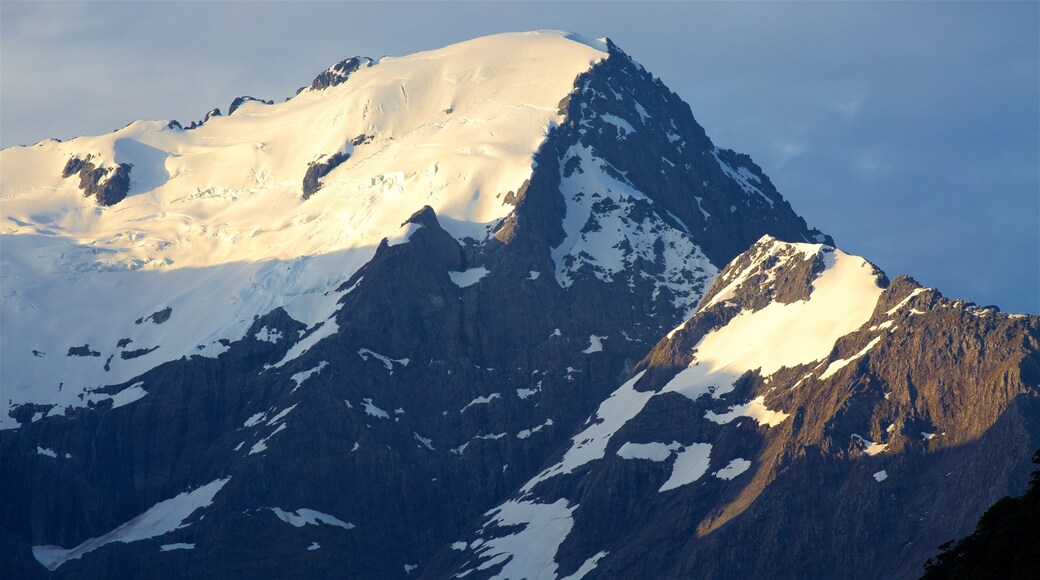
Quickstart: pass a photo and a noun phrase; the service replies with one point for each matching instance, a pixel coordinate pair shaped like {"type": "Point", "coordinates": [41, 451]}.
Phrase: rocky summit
{"type": "Point", "coordinates": [497, 310]}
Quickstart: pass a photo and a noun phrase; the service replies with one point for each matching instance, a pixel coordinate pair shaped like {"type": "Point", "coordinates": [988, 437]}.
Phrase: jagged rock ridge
{"type": "Point", "coordinates": [811, 411]}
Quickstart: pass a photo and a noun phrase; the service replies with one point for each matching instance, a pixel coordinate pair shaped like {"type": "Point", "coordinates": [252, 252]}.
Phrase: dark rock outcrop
{"type": "Point", "coordinates": [82, 351]}
{"type": "Point", "coordinates": [339, 72]}
{"type": "Point", "coordinates": [108, 186]}
{"type": "Point", "coordinates": [157, 317]}
{"type": "Point", "coordinates": [239, 101]}
{"type": "Point", "coordinates": [318, 169]}
{"type": "Point", "coordinates": [132, 354]}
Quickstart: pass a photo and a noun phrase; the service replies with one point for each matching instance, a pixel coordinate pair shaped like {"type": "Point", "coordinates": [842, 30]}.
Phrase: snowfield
{"type": "Point", "coordinates": [215, 225]}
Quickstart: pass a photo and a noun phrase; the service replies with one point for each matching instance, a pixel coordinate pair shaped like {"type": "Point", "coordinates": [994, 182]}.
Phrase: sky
{"type": "Point", "coordinates": [908, 131]}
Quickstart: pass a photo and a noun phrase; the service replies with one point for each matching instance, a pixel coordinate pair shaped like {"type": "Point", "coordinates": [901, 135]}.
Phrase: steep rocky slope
{"type": "Point", "coordinates": [811, 420]}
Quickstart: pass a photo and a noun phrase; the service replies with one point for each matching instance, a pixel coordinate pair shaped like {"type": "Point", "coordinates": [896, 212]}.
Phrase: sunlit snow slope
{"type": "Point", "coordinates": [215, 225]}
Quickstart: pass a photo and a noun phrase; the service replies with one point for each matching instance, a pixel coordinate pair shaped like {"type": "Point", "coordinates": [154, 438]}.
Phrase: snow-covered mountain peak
{"type": "Point", "coordinates": [454, 127]}
{"type": "Point", "coordinates": [273, 205]}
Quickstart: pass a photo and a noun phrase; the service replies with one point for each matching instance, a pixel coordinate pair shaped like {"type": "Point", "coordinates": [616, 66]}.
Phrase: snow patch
{"type": "Point", "coordinates": [587, 566]}
{"type": "Point", "coordinates": [388, 362]}
{"type": "Point", "coordinates": [529, 552]}
{"type": "Point", "coordinates": [612, 229]}
{"type": "Point", "coordinates": [870, 447]}
{"type": "Point", "coordinates": [524, 434]}
{"type": "Point", "coordinates": [468, 277]}
{"type": "Point", "coordinates": [625, 126]}
{"type": "Point", "coordinates": [424, 441]}
{"type": "Point", "coordinates": [304, 517]}
{"type": "Point", "coordinates": [177, 546]}
{"type": "Point", "coordinates": [255, 419]}
{"type": "Point", "coordinates": [595, 344]}
{"type": "Point", "coordinates": [691, 463]}
{"type": "Point", "coordinates": [481, 401]}
{"type": "Point", "coordinates": [162, 518]}
{"type": "Point", "coordinates": [733, 469]}
{"type": "Point", "coordinates": [375, 411]}
{"type": "Point", "coordinates": [905, 301]}
{"type": "Point", "coordinates": [404, 235]}
{"type": "Point", "coordinates": [281, 415]}
{"type": "Point", "coordinates": [524, 393]}
{"type": "Point", "coordinates": [841, 363]}
{"type": "Point", "coordinates": [268, 335]}
{"type": "Point", "coordinates": [755, 408]}
{"type": "Point", "coordinates": [131, 394]}
{"type": "Point", "coordinates": [261, 445]}
{"type": "Point", "coordinates": [743, 176]}
{"type": "Point", "coordinates": [302, 376]}
{"type": "Point", "coordinates": [650, 451]}
{"type": "Point", "coordinates": [883, 325]}
{"type": "Point", "coordinates": [591, 444]}
{"type": "Point", "coordinates": [327, 329]}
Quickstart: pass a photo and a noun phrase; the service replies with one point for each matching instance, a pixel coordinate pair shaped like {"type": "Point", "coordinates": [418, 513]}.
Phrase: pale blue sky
{"type": "Point", "coordinates": [908, 131]}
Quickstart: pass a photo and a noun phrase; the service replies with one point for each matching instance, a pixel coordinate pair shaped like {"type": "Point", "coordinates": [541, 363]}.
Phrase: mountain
{"type": "Point", "coordinates": [456, 313]}
{"type": "Point", "coordinates": [810, 420]}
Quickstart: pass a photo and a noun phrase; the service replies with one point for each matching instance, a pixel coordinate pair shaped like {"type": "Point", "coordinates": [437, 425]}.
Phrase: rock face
{"type": "Point", "coordinates": [454, 372]}
{"type": "Point", "coordinates": [318, 169]}
{"type": "Point", "coordinates": [239, 101]}
{"type": "Point", "coordinates": [339, 72]}
{"type": "Point", "coordinates": [108, 186]}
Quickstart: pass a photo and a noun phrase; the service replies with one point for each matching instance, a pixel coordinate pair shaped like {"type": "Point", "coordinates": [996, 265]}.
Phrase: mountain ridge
{"type": "Point", "coordinates": [892, 431]}
{"type": "Point", "coordinates": [375, 397]}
